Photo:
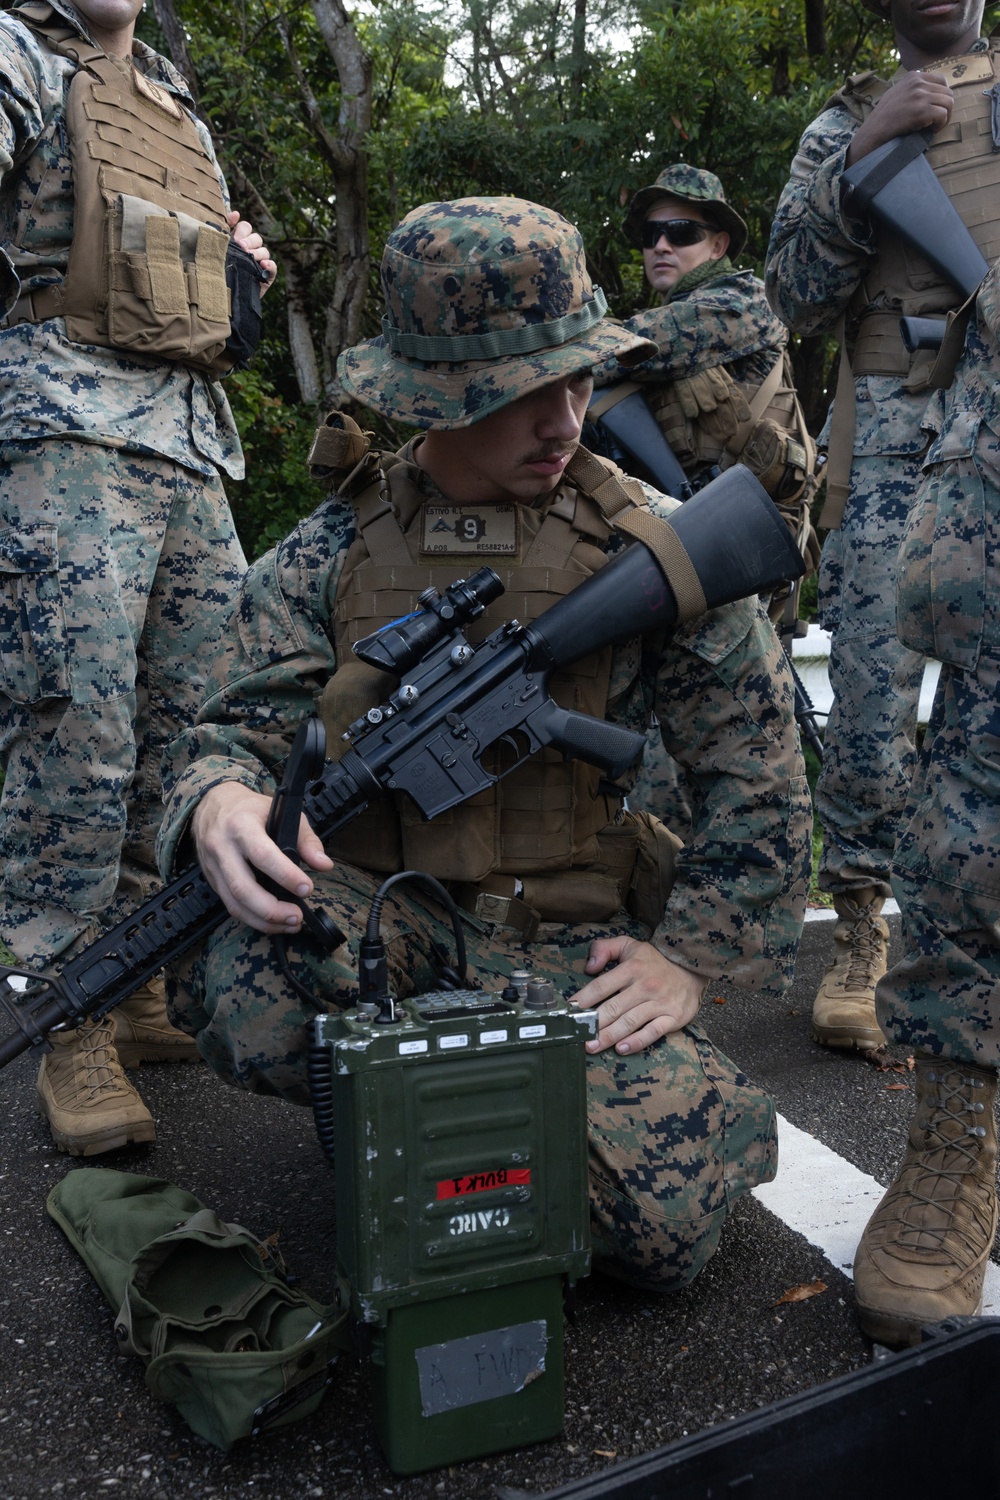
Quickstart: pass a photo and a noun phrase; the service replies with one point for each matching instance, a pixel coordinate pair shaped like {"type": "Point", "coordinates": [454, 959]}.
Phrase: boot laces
{"type": "Point", "coordinates": [99, 1060]}
{"type": "Point", "coordinates": [958, 1156]}
{"type": "Point", "coordinates": [866, 945]}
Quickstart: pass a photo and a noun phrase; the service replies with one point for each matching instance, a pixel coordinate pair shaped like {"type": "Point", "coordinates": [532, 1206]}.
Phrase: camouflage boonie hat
{"type": "Point", "coordinates": [695, 185]}
{"type": "Point", "coordinates": [486, 300]}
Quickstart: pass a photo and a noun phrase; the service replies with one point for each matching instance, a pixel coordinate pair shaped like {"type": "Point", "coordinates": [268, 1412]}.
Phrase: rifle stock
{"type": "Point", "coordinates": [639, 436]}
{"type": "Point", "coordinates": [454, 702]}
{"type": "Point", "coordinates": [895, 188]}
{"type": "Point", "coordinates": [624, 411]}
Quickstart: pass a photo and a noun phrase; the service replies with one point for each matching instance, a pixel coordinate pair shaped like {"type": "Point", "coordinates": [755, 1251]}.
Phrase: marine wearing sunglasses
{"type": "Point", "coordinates": [679, 232]}
{"type": "Point", "coordinates": [675, 238]}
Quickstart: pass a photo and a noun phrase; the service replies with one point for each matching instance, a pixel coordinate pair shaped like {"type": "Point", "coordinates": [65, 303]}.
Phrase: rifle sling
{"type": "Point", "coordinates": [615, 495]}
{"type": "Point", "coordinates": [841, 440]}
{"type": "Point", "coordinates": [611, 397]}
{"type": "Point", "coordinates": [952, 343]}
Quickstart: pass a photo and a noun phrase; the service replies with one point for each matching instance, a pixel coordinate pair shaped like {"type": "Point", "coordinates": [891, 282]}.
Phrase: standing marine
{"type": "Point", "coordinates": [119, 560]}
{"type": "Point", "coordinates": [828, 272]}
{"type": "Point", "coordinates": [491, 330]}
{"type": "Point", "coordinates": [720, 386]}
{"type": "Point", "coordinates": [923, 1256]}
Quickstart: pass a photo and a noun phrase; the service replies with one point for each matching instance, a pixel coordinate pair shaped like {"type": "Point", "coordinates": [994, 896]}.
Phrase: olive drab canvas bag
{"type": "Point", "coordinates": [204, 1304]}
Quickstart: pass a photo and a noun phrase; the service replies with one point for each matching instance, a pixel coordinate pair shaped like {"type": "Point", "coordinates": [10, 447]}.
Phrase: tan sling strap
{"type": "Point", "coordinates": [841, 445]}
{"type": "Point", "coordinates": [623, 504]}
{"type": "Point", "coordinates": [953, 342]}
{"type": "Point", "coordinates": [611, 397]}
{"type": "Point", "coordinates": [765, 394]}
{"type": "Point", "coordinates": [379, 525]}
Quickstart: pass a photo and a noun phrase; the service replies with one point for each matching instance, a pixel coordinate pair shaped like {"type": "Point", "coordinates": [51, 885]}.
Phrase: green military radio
{"type": "Point", "coordinates": [457, 1120]}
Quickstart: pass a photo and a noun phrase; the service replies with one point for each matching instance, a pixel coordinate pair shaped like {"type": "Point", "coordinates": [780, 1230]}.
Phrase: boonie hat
{"type": "Point", "coordinates": [486, 299]}
{"type": "Point", "coordinates": [693, 185]}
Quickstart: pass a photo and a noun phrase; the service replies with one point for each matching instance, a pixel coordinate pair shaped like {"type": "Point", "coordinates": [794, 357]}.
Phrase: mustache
{"type": "Point", "coordinates": [545, 451]}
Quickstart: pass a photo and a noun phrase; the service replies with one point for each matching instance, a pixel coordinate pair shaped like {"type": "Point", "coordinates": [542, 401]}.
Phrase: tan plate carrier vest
{"type": "Point", "coordinates": [147, 265]}
{"type": "Point", "coordinates": [900, 282]}
{"type": "Point", "coordinates": [550, 840]}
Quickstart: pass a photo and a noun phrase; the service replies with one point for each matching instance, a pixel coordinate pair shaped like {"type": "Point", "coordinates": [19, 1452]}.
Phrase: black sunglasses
{"type": "Point", "coordinates": [679, 232]}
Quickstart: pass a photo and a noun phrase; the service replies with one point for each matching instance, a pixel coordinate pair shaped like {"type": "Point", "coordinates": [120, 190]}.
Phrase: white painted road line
{"type": "Point", "coordinates": [828, 1201]}
{"type": "Point", "coordinates": [827, 913]}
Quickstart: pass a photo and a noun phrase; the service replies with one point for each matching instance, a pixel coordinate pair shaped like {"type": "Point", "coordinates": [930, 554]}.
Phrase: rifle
{"type": "Point", "coordinates": [805, 710]}
{"type": "Point", "coordinates": [454, 701]}
{"type": "Point", "coordinates": [895, 188]}
{"type": "Point", "coordinates": [624, 411]}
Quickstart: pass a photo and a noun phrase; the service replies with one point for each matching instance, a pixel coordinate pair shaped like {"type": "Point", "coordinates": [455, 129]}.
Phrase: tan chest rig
{"type": "Point", "coordinates": [900, 281]}
{"type": "Point", "coordinates": [712, 421]}
{"type": "Point", "coordinates": [147, 265]}
{"type": "Point", "coordinates": [550, 841]}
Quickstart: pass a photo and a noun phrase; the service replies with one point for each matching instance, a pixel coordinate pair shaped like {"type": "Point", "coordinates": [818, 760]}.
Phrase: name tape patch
{"type": "Point", "coordinates": [457, 530]}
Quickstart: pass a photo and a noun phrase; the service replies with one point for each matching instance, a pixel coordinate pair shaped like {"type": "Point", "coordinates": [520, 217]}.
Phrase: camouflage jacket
{"type": "Point", "coordinates": [948, 588]}
{"type": "Point", "coordinates": [726, 321]}
{"type": "Point", "coordinates": [720, 690]}
{"type": "Point", "coordinates": [52, 387]}
{"type": "Point", "coordinates": [816, 261]}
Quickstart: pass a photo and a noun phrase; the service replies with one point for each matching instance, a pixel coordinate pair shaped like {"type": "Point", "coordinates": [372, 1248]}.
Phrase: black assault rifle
{"type": "Point", "coordinates": [434, 737]}
{"type": "Point", "coordinates": [639, 446]}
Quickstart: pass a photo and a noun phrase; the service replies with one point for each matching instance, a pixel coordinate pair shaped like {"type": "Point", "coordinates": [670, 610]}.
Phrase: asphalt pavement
{"type": "Point", "coordinates": [77, 1421]}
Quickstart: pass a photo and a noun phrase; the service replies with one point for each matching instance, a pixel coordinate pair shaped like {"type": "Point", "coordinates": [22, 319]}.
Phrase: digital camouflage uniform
{"type": "Point", "coordinates": [715, 319]}
{"type": "Point", "coordinates": [118, 552]}
{"type": "Point", "coordinates": [924, 1253]}
{"type": "Point", "coordinates": [119, 563]}
{"type": "Point", "coordinates": [677, 1132]}
{"type": "Point", "coordinates": [826, 271]}
{"type": "Point", "coordinates": [817, 259]}
{"type": "Point", "coordinates": [943, 997]}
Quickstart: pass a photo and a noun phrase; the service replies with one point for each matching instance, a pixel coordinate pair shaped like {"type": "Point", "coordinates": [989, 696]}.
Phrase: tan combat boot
{"type": "Point", "coordinates": [86, 1098]}
{"type": "Point", "coordinates": [923, 1255]}
{"type": "Point", "coordinates": [143, 1032]}
{"type": "Point", "coordinates": [844, 1008]}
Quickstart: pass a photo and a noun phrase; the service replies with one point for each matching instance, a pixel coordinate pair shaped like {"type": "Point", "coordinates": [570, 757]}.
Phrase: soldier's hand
{"type": "Point", "coordinates": [230, 835]}
{"type": "Point", "coordinates": [249, 240]}
{"type": "Point", "coordinates": [642, 998]}
{"type": "Point", "coordinates": [917, 101]}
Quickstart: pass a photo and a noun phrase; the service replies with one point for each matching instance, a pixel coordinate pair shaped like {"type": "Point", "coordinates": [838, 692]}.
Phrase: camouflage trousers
{"type": "Point", "coordinates": [677, 1133]}
{"type": "Point", "coordinates": [943, 997]}
{"type": "Point", "coordinates": [869, 743]}
{"type": "Point", "coordinates": [117, 575]}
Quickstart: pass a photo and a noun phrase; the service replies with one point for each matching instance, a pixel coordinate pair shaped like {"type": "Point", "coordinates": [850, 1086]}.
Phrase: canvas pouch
{"type": "Point", "coordinates": [203, 1303]}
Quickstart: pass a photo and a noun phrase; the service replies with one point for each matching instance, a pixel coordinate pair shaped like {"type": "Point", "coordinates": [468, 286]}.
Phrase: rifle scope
{"type": "Point", "coordinates": [403, 643]}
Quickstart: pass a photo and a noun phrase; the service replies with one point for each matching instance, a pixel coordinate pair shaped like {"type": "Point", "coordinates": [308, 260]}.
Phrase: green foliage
{"type": "Point", "coordinates": [277, 435]}
{"type": "Point", "coordinates": [726, 86]}
{"type": "Point", "coordinates": [499, 97]}
{"type": "Point", "coordinates": [816, 896]}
